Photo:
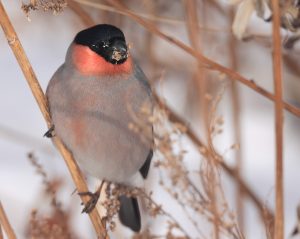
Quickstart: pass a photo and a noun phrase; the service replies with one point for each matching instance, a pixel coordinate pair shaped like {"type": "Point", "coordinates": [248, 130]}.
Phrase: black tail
{"type": "Point", "coordinates": [129, 213]}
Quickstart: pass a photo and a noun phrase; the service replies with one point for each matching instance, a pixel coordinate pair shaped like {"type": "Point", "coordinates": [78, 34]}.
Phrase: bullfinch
{"type": "Point", "coordinates": [94, 96]}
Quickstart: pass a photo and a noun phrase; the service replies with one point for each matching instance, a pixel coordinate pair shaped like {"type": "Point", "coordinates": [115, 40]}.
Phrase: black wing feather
{"type": "Point", "coordinates": [144, 170]}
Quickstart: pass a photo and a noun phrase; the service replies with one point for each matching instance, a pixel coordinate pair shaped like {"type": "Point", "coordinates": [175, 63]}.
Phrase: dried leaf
{"type": "Point", "coordinates": [242, 17]}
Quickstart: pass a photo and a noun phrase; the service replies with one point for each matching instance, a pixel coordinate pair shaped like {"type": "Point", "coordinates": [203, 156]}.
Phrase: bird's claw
{"type": "Point", "coordinates": [49, 133]}
{"type": "Point", "coordinates": [91, 204]}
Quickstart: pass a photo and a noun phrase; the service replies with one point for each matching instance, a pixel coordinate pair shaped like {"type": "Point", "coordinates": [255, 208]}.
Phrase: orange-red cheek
{"type": "Point", "coordinates": [90, 63]}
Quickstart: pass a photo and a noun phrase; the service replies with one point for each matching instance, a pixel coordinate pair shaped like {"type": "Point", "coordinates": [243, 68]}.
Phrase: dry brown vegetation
{"type": "Point", "coordinates": [198, 192]}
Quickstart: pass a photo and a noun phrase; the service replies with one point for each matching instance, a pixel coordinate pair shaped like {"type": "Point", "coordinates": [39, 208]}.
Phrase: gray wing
{"type": "Point", "coordinates": [129, 213]}
{"type": "Point", "coordinates": [144, 170]}
{"type": "Point", "coordinates": [141, 77]}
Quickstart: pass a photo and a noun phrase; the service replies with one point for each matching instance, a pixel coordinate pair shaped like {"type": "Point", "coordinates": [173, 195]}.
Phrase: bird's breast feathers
{"type": "Point", "coordinates": [92, 116]}
{"type": "Point", "coordinates": [89, 63]}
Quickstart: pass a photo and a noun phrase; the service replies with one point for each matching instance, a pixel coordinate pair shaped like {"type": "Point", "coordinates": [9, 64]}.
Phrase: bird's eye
{"type": "Point", "coordinates": [95, 46]}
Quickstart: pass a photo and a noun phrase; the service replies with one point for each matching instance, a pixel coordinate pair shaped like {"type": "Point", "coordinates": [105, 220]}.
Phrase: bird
{"type": "Point", "coordinates": [94, 97]}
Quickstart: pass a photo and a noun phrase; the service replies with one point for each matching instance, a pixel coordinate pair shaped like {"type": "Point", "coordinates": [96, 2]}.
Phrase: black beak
{"type": "Point", "coordinates": [120, 46]}
{"type": "Point", "coordinates": [120, 50]}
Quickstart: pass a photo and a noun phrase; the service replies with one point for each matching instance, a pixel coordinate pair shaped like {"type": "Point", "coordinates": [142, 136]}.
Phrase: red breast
{"type": "Point", "coordinates": [90, 63]}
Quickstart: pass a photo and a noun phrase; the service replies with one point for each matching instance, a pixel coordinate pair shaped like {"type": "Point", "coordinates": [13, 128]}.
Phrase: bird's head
{"type": "Point", "coordinates": [101, 49]}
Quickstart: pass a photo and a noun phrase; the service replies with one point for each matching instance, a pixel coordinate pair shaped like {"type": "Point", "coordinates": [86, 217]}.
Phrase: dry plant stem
{"type": "Point", "coordinates": [236, 126]}
{"type": "Point", "coordinates": [112, 9]}
{"type": "Point", "coordinates": [194, 37]}
{"type": "Point", "coordinates": [266, 214]}
{"type": "Point", "coordinates": [149, 43]}
{"type": "Point", "coordinates": [41, 100]}
{"type": "Point", "coordinates": [277, 72]}
{"type": "Point", "coordinates": [192, 21]}
{"type": "Point", "coordinates": [1, 234]}
{"type": "Point", "coordinates": [85, 17]}
{"type": "Point", "coordinates": [170, 216]}
{"type": "Point", "coordinates": [204, 60]}
{"type": "Point", "coordinates": [150, 17]}
{"type": "Point", "coordinates": [5, 224]}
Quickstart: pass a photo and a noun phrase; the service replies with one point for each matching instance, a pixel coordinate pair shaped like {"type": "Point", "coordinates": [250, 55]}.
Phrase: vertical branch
{"type": "Point", "coordinates": [236, 127]}
{"type": "Point", "coordinates": [5, 224]}
{"type": "Point", "coordinates": [149, 42]}
{"type": "Point", "coordinates": [277, 71]}
{"type": "Point", "coordinates": [1, 234]}
{"type": "Point", "coordinates": [36, 90]}
{"type": "Point", "coordinates": [192, 22]}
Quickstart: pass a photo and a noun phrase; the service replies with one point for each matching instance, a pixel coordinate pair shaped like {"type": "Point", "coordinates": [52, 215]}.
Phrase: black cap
{"type": "Point", "coordinates": [106, 40]}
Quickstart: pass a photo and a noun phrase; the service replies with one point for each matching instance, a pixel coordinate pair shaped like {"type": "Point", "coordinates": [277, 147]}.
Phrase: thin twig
{"type": "Point", "coordinates": [1, 233]}
{"type": "Point", "coordinates": [150, 17]}
{"type": "Point", "coordinates": [5, 224]}
{"type": "Point", "coordinates": [84, 16]}
{"type": "Point", "coordinates": [193, 32]}
{"type": "Point", "coordinates": [206, 61]}
{"type": "Point", "coordinates": [266, 214]}
{"type": "Point", "coordinates": [277, 72]}
{"type": "Point", "coordinates": [236, 126]}
{"type": "Point", "coordinates": [164, 212]}
{"type": "Point", "coordinates": [36, 90]}
{"type": "Point", "coordinates": [112, 9]}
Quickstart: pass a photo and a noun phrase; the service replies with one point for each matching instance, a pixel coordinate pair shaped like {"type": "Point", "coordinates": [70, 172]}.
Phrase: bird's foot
{"type": "Point", "coordinates": [91, 204]}
{"type": "Point", "coordinates": [50, 132]}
